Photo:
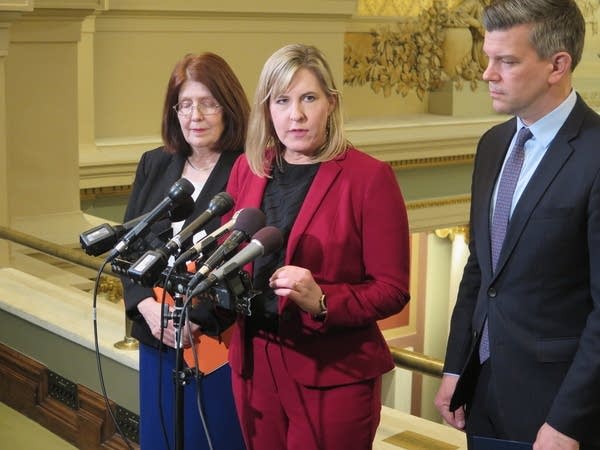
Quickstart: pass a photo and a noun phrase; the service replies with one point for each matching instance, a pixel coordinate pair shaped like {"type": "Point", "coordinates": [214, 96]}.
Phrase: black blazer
{"type": "Point", "coordinates": [543, 302]}
{"type": "Point", "coordinates": [156, 172]}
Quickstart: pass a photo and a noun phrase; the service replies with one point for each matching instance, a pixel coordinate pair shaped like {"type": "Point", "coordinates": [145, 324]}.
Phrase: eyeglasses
{"type": "Point", "coordinates": [186, 108]}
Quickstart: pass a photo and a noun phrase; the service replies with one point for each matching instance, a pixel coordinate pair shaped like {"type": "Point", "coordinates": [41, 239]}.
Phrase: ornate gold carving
{"type": "Point", "coordinates": [401, 60]}
{"type": "Point", "coordinates": [436, 40]}
{"type": "Point", "coordinates": [422, 52]}
{"type": "Point", "coordinates": [591, 98]}
{"type": "Point", "coordinates": [466, 16]}
{"type": "Point", "coordinates": [588, 9]}
{"type": "Point", "coordinates": [397, 8]}
{"type": "Point", "coordinates": [450, 233]}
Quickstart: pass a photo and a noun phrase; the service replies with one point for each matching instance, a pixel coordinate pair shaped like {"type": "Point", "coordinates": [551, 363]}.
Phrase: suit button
{"type": "Point", "coordinates": [492, 292]}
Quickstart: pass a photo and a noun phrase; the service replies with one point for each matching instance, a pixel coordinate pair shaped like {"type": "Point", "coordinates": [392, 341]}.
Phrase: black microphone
{"type": "Point", "coordinates": [265, 241]}
{"type": "Point", "coordinates": [179, 192]}
{"type": "Point", "coordinates": [206, 242]}
{"type": "Point", "coordinates": [150, 265]}
{"type": "Point", "coordinates": [248, 222]}
{"type": "Point", "coordinates": [102, 238]}
{"type": "Point", "coordinates": [218, 205]}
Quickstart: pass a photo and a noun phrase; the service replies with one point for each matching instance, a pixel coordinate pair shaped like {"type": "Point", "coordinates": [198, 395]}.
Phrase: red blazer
{"type": "Point", "coordinates": [352, 233]}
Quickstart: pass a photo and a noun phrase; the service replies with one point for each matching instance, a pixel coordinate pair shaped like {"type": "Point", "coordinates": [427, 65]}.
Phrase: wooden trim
{"type": "Point", "coordinates": [24, 387]}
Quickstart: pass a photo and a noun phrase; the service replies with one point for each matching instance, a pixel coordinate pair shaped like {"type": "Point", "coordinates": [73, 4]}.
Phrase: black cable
{"type": "Point", "coordinates": [160, 355]}
{"type": "Point", "coordinates": [97, 351]}
{"type": "Point", "coordinates": [198, 375]}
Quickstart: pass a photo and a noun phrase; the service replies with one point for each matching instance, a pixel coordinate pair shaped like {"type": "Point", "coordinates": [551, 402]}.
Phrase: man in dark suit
{"type": "Point", "coordinates": [525, 332]}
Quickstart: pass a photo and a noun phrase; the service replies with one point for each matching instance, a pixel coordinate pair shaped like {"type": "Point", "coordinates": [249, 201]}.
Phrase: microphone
{"type": "Point", "coordinates": [149, 266]}
{"type": "Point", "coordinates": [102, 238]}
{"type": "Point", "coordinates": [178, 193]}
{"type": "Point", "coordinates": [218, 205]}
{"type": "Point", "coordinates": [207, 241]}
{"type": "Point", "coordinates": [266, 240]}
{"type": "Point", "coordinates": [248, 222]}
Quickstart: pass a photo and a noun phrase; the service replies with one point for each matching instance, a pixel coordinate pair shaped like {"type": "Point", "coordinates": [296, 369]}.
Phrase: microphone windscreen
{"type": "Point", "coordinates": [220, 203]}
{"type": "Point", "coordinates": [271, 239]}
{"type": "Point", "coordinates": [181, 189]}
{"type": "Point", "coordinates": [250, 220]}
{"type": "Point", "coordinates": [182, 211]}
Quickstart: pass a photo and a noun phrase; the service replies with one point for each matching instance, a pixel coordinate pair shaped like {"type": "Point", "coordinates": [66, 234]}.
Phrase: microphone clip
{"type": "Point", "coordinates": [234, 293]}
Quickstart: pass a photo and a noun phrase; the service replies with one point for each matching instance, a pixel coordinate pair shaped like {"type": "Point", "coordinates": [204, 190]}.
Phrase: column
{"type": "Point", "coordinates": [9, 12]}
{"type": "Point", "coordinates": [42, 134]}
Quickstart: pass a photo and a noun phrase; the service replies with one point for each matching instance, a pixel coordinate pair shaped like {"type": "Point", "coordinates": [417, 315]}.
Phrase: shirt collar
{"type": "Point", "coordinates": [546, 128]}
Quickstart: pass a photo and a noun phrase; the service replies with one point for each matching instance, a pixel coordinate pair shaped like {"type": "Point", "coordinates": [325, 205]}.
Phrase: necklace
{"type": "Point", "coordinates": [201, 169]}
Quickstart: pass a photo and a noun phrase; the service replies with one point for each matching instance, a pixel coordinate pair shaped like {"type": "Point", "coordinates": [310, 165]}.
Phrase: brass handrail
{"type": "Point", "coordinates": [415, 361]}
{"type": "Point", "coordinates": [52, 249]}
{"type": "Point", "coordinates": [75, 257]}
{"type": "Point", "coordinates": [403, 358]}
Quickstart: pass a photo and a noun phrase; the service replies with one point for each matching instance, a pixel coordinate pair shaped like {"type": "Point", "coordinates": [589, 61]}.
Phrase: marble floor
{"type": "Point", "coordinates": [17, 432]}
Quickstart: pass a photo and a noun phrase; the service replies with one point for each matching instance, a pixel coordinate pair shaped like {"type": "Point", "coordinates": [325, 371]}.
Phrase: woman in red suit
{"type": "Point", "coordinates": [307, 363]}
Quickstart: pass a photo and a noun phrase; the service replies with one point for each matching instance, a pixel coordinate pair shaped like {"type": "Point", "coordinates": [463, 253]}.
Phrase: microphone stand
{"type": "Point", "coordinates": [179, 373]}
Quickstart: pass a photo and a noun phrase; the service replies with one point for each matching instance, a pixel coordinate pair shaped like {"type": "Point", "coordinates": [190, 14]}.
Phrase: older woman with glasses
{"type": "Point", "coordinates": [203, 129]}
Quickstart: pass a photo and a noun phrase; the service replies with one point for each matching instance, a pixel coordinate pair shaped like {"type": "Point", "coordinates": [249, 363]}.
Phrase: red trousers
{"type": "Point", "coordinates": [276, 413]}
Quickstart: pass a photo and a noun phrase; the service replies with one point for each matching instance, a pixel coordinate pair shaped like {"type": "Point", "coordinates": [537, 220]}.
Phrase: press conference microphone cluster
{"type": "Point", "coordinates": [207, 242]}
{"type": "Point", "coordinates": [178, 193]}
{"type": "Point", "coordinates": [102, 238]}
{"type": "Point", "coordinates": [147, 269]}
{"type": "Point", "coordinates": [248, 222]}
{"type": "Point", "coordinates": [264, 242]}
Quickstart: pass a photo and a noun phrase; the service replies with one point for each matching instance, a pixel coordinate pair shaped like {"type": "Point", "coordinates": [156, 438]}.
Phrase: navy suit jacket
{"type": "Point", "coordinates": [352, 233]}
{"type": "Point", "coordinates": [156, 172]}
{"type": "Point", "coordinates": [543, 301]}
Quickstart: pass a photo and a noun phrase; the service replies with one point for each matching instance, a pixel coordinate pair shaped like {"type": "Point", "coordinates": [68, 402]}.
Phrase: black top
{"type": "Point", "coordinates": [284, 195]}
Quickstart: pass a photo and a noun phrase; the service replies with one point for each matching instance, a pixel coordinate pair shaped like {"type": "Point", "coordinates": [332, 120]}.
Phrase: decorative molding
{"type": "Point", "coordinates": [396, 8]}
{"type": "Point", "coordinates": [431, 214]}
{"type": "Point", "coordinates": [258, 7]}
{"type": "Point", "coordinates": [432, 162]}
{"type": "Point", "coordinates": [93, 193]}
{"type": "Point", "coordinates": [16, 5]}
{"type": "Point", "coordinates": [71, 4]}
{"type": "Point", "coordinates": [439, 202]}
{"type": "Point", "coordinates": [24, 386]}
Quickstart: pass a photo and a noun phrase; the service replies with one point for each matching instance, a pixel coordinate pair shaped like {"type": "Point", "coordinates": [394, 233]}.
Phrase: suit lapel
{"type": "Point", "coordinates": [324, 178]}
{"type": "Point", "coordinates": [172, 174]}
{"type": "Point", "coordinates": [556, 156]}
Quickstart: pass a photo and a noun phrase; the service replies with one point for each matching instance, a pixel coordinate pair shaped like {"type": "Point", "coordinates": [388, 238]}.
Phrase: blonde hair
{"type": "Point", "coordinates": [275, 78]}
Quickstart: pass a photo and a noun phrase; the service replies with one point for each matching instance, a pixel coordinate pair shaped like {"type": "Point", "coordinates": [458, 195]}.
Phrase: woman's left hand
{"type": "Point", "coordinates": [299, 286]}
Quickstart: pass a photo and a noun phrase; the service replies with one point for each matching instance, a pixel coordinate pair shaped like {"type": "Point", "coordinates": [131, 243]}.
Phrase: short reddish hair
{"type": "Point", "coordinates": [212, 71]}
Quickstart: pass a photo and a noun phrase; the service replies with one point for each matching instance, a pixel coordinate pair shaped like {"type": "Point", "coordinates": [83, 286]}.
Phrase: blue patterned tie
{"type": "Point", "coordinates": [504, 197]}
